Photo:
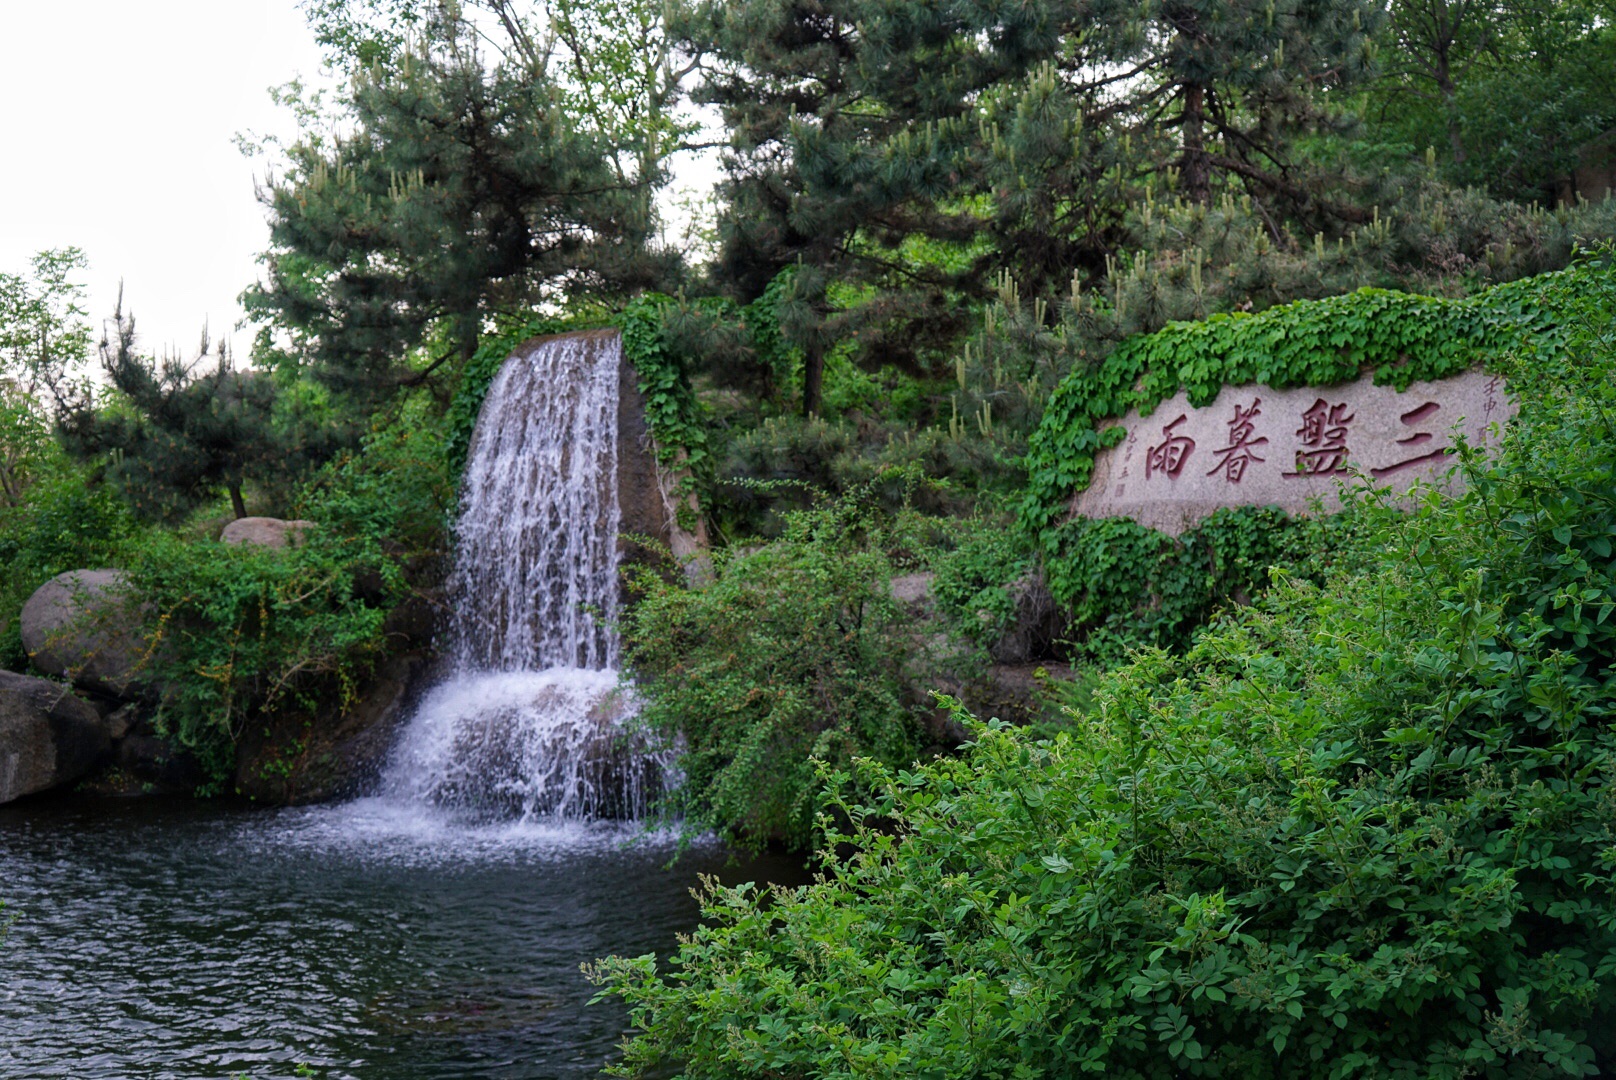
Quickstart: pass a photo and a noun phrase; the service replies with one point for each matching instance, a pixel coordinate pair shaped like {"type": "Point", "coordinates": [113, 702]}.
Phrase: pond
{"type": "Point", "coordinates": [161, 939]}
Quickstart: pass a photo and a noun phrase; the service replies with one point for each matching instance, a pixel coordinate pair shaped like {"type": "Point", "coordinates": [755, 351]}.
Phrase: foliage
{"type": "Point", "coordinates": [43, 339]}
{"type": "Point", "coordinates": [785, 461]}
{"type": "Point", "coordinates": [1128, 586]}
{"type": "Point", "coordinates": [462, 189]}
{"type": "Point", "coordinates": [1367, 829]}
{"type": "Point", "coordinates": [178, 431]}
{"type": "Point", "coordinates": [794, 652]}
{"type": "Point", "coordinates": [878, 145]}
{"type": "Point", "coordinates": [61, 522]}
{"type": "Point", "coordinates": [43, 332]}
{"type": "Point", "coordinates": [614, 67]}
{"type": "Point", "coordinates": [972, 582]}
{"type": "Point", "coordinates": [1507, 92]}
{"type": "Point", "coordinates": [671, 410]}
{"type": "Point", "coordinates": [237, 631]}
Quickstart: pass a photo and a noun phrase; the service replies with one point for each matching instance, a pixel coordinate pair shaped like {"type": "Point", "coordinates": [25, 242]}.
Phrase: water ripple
{"type": "Point", "coordinates": [175, 941]}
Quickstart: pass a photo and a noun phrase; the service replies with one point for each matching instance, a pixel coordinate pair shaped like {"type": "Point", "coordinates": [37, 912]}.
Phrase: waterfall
{"type": "Point", "coordinates": [528, 721]}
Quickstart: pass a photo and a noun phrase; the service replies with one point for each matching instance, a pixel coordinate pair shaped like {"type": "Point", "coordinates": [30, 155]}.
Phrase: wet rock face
{"type": "Point", "coordinates": [48, 737]}
{"type": "Point", "coordinates": [291, 760]}
{"type": "Point", "coordinates": [84, 626]}
{"type": "Point", "coordinates": [265, 532]}
{"type": "Point", "coordinates": [1038, 623]}
{"type": "Point", "coordinates": [648, 493]}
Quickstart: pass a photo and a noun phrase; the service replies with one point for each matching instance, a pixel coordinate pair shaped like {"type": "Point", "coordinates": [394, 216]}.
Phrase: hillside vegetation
{"type": "Point", "coordinates": [1365, 827]}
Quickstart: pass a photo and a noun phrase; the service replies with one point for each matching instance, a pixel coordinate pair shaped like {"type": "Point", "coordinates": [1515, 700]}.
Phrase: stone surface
{"type": "Point", "coordinates": [913, 595]}
{"type": "Point", "coordinates": [48, 737]}
{"type": "Point", "coordinates": [265, 532]}
{"type": "Point", "coordinates": [647, 491]}
{"type": "Point", "coordinates": [291, 760]}
{"type": "Point", "coordinates": [122, 720]}
{"type": "Point", "coordinates": [1256, 446]}
{"type": "Point", "coordinates": [1037, 624]}
{"type": "Point", "coordinates": [82, 625]}
{"type": "Point", "coordinates": [156, 766]}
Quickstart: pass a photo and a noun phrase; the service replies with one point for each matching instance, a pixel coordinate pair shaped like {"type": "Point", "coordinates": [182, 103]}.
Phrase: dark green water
{"type": "Point", "coordinates": [177, 940]}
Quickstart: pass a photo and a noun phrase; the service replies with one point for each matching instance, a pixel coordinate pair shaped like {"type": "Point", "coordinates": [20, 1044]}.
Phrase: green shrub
{"type": "Point", "coordinates": [1359, 830]}
{"type": "Point", "coordinates": [784, 462]}
{"type": "Point", "coordinates": [59, 522]}
{"type": "Point", "coordinates": [236, 632]}
{"type": "Point", "coordinates": [794, 652]}
{"type": "Point", "coordinates": [972, 581]}
{"type": "Point", "coordinates": [1128, 586]}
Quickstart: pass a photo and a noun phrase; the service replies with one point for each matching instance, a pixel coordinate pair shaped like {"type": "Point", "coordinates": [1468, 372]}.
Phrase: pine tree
{"type": "Point", "coordinates": [902, 152]}
{"type": "Point", "coordinates": [461, 191]}
{"type": "Point", "coordinates": [178, 431]}
{"type": "Point", "coordinates": [848, 122]}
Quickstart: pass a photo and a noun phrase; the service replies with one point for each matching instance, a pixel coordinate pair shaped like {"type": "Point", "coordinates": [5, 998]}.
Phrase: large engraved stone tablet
{"type": "Point", "coordinates": [1256, 446]}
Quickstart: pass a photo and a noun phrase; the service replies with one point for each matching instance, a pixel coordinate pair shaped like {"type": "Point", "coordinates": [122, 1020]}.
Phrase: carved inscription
{"type": "Point", "coordinates": [1324, 439]}
{"type": "Point", "coordinates": [1258, 446]}
{"type": "Point", "coordinates": [1243, 445]}
{"type": "Point", "coordinates": [1169, 457]}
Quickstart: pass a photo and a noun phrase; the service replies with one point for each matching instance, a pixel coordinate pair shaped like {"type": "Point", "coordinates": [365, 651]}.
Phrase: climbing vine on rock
{"type": "Point", "coordinates": [1126, 585]}
{"type": "Point", "coordinates": [671, 409]}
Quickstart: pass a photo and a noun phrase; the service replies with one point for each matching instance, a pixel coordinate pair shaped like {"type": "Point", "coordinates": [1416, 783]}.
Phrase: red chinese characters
{"type": "Point", "coordinates": [1241, 449]}
{"type": "Point", "coordinates": [1324, 439]}
{"type": "Point", "coordinates": [1417, 441]}
{"type": "Point", "coordinates": [1170, 455]}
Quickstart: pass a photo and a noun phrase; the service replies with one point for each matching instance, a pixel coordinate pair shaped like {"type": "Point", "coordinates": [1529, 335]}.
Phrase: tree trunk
{"type": "Point", "coordinates": [1195, 171]}
{"type": "Point", "coordinates": [237, 503]}
{"type": "Point", "coordinates": [813, 379]}
{"type": "Point", "coordinates": [1449, 91]}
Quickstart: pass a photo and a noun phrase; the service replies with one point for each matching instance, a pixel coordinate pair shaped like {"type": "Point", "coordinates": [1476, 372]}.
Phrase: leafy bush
{"type": "Point", "coordinates": [972, 582]}
{"type": "Point", "coordinates": [794, 652]}
{"type": "Point", "coordinates": [784, 462]}
{"type": "Point", "coordinates": [59, 522]}
{"type": "Point", "coordinates": [1128, 586]}
{"type": "Point", "coordinates": [236, 631]}
{"type": "Point", "coordinates": [1366, 829]}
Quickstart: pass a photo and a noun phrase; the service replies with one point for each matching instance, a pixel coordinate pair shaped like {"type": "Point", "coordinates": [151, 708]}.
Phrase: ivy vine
{"type": "Point", "coordinates": [671, 410]}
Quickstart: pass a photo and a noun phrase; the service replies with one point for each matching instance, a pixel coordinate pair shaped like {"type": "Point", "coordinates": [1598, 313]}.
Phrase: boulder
{"type": "Point", "coordinates": [265, 532]}
{"type": "Point", "coordinates": [913, 595]}
{"type": "Point", "coordinates": [84, 626]}
{"type": "Point", "coordinates": [159, 766]}
{"type": "Point", "coordinates": [1037, 624]}
{"type": "Point", "coordinates": [48, 737]}
{"type": "Point", "coordinates": [292, 759]}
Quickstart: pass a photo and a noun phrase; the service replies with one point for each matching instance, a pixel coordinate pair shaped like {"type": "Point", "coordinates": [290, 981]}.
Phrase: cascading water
{"type": "Point", "coordinates": [528, 722]}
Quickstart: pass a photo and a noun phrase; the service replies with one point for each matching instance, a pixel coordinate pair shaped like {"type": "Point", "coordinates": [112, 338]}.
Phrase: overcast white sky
{"type": "Point", "coordinates": [116, 128]}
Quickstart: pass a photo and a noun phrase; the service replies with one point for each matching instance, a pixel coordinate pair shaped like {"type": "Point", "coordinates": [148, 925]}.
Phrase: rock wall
{"type": "Point", "coordinates": [647, 490]}
{"type": "Point", "coordinates": [1257, 446]}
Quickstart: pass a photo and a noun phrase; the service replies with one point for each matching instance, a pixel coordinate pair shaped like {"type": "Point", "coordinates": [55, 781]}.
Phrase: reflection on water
{"type": "Point", "coordinates": [160, 940]}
